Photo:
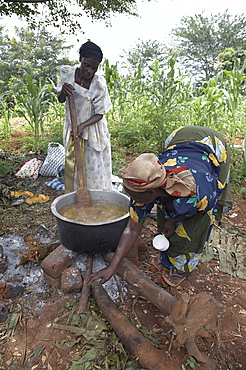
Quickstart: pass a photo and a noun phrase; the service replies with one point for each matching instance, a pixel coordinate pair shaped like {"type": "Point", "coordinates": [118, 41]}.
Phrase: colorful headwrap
{"type": "Point", "coordinates": [147, 172]}
{"type": "Point", "coordinates": [180, 182]}
{"type": "Point", "coordinates": [91, 51]}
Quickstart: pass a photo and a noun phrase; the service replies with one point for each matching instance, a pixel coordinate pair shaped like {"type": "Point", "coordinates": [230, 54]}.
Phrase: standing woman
{"type": "Point", "coordinates": [92, 102]}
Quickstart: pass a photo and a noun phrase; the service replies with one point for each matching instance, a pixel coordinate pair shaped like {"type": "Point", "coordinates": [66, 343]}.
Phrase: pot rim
{"type": "Point", "coordinates": [58, 215]}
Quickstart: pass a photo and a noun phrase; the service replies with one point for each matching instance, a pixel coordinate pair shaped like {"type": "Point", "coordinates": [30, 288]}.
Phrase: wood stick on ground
{"type": "Point", "coordinates": [201, 310]}
{"type": "Point", "coordinates": [180, 310]}
{"type": "Point", "coordinates": [187, 316]}
{"type": "Point", "coordinates": [83, 302]}
{"type": "Point", "coordinates": [143, 285]}
{"type": "Point", "coordinates": [136, 344]}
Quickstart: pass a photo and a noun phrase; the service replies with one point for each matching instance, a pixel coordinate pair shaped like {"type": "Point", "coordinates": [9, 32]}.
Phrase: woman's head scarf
{"type": "Point", "coordinates": [91, 51]}
{"type": "Point", "coordinates": [147, 172]}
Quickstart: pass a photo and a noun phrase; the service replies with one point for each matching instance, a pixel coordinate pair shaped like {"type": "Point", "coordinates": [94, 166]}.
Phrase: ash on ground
{"type": "Point", "coordinates": [31, 274]}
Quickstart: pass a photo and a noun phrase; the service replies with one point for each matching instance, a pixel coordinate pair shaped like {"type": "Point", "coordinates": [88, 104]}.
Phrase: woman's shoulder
{"type": "Point", "coordinates": [99, 80]}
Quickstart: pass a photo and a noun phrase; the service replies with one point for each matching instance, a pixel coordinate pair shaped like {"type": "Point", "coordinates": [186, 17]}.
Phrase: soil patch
{"type": "Point", "coordinates": [36, 343]}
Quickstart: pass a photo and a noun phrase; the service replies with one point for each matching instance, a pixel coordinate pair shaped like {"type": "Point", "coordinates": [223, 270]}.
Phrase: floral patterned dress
{"type": "Point", "coordinates": [96, 139]}
{"type": "Point", "coordinates": [208, 158]}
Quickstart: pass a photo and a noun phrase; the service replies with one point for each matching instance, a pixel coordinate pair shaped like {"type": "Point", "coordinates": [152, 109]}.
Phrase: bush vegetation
{"type": "Point", "coordinates": [146, 107]}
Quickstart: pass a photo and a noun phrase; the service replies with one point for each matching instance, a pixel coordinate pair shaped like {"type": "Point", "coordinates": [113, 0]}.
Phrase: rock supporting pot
{"type": "Point", "coordinates": [91, 238]}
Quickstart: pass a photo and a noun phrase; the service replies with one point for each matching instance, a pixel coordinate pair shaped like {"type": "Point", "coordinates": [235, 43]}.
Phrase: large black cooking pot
{"type": "Point", "coordinates": [91, 238]}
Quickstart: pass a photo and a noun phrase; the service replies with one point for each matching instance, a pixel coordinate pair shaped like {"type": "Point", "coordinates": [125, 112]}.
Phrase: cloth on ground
{"type": "Point", "coordinates": [29, 169]}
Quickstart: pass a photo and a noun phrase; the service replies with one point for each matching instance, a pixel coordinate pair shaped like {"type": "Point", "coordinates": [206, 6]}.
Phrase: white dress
{"type": "Point", "coordinates": [97, 150]}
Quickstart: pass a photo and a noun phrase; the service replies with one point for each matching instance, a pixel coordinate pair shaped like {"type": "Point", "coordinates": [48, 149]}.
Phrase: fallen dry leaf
{"type": "Point", "coordinates": [243, 312]}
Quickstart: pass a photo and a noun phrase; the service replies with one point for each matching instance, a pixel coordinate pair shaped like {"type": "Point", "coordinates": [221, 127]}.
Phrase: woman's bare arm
{"type": "Point", "coordinates": [127, 240]}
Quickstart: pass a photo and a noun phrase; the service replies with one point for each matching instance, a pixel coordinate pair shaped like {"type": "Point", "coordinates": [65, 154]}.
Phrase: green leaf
{"type": "Point", "coordinates": [85, 361]}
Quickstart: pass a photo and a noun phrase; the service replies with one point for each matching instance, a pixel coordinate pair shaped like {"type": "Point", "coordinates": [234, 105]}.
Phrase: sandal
{"type": "Point", "coordinates": [156, 262]}
{"type": "Point", "coordinates": [173, 279]}
{"type": "Point", "coordinates": [38, 198]}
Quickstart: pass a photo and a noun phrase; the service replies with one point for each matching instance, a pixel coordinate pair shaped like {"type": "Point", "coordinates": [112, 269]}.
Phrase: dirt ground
{"type": "Point", "coordinates": [36, 343]}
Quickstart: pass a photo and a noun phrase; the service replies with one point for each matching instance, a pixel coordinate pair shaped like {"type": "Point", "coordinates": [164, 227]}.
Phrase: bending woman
{"type": "Point", "coordinates": [92, 102]}
{"type": "Point", "coordinates": [189, 182]}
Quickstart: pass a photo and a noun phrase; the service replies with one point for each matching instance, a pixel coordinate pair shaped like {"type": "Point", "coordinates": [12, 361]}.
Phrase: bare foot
{"type": "Point", "coordinates": [156, 262]}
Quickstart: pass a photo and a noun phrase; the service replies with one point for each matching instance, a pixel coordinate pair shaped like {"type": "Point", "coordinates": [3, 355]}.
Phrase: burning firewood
{"type": "Point", "coordinates": [86, 288]}
{"type": "Point", "coordinates": [36, 250]}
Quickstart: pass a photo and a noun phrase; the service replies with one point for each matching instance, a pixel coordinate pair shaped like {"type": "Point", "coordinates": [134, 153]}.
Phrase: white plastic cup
{"type": "Point", "coordinates": [161, 243]}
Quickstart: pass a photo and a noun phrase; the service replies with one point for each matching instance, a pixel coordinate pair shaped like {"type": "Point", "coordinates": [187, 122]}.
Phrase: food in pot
{"type": "Point", "coordinates": [99, 212]}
